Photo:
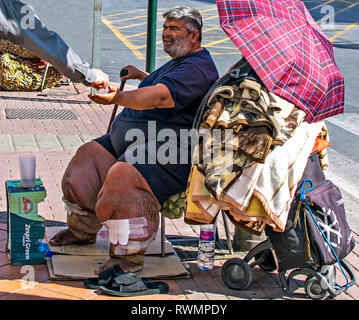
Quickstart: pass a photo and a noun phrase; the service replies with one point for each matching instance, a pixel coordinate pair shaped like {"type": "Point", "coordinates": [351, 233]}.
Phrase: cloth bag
{"type": "Point", "coordinates": [321, 207]}
{"type": "Point", "coordinates": [18, 75]}
{"type": "Point", "coordinates": [9, 47]}
{"type": "Point", "coordinates": [328, 228]}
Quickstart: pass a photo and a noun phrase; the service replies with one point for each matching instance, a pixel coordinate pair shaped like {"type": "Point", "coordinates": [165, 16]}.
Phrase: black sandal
{"type": "Point", "coordinates": [113, 281]}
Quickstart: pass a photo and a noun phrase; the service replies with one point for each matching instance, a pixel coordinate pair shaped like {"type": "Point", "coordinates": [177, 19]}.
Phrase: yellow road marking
{"type": "Point", "coordinates": [223, 47]}
{"type": "Point", "coordinates": [144, 46]}
{"type": "Point", "coordinates": [136, 48]}
{"type": "Point", "coordinates": [126, 12]}
{"type": "Point", "coordinates": [127, 19]}
{"type": "Point", "coordinates": [342, 10]}
{"type": "Point", "coordinates": [160, 29]}
{"type": "Point", "coordinates": [127, 43]}
{"type": "Point", "coordinates": [131, 26]}
{"type": "Point", "coordinates": [212, 54]}
{"type": "Point", "coordinates": [210, 18]}
{"type": "Point", "coordinates": [210, 9]}
{"type": "Point", "coordinates": [211, 44]}
{"type": "Point", "coordinates": [143, 23]}
{"type": "Point", "coordinates": [321, 5]}
{"type": "Point", "coordinates": [217, 41]}
{"type": "Point", "coordinates": [339, 33]}
{"type": "Point", "coordinates": [213, 25]}
{"type": "Point", "coordinates": [158, 12]}
{"type": "Point", "coordinates": [218, 53]}
{"type": "Point", "coordinates": [139, 34]}
{"type": "Point", "coordinates": [210, 29]}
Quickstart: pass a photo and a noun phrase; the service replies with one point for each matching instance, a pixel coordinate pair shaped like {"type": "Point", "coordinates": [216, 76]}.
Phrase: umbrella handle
{"type": "Point", "coordinates": [114, 111]}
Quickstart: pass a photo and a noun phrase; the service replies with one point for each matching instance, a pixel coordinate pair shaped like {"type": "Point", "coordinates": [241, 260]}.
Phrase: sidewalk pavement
{"type": "Point", "coordinates": [54, 142]}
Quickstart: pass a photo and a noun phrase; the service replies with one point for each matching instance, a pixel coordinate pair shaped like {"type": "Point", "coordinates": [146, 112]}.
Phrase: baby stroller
{"type": "Point", "coordinates": [316, 237]}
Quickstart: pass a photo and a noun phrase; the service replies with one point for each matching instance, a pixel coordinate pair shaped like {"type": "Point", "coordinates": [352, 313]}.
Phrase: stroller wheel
{"type": "Point", "coordinates": [268, 263]}
{"type": "Point", "coordinates": [236, 274]}
{"type": "Point", "coordinates": [329, 272]}
{"type": "Point", "coordinates": [314, 289]}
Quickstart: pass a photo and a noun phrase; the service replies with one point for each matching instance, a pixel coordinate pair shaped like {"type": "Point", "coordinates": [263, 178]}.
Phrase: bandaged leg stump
{"type": "Point", "coordinates": [127, 246]}
{"type": "Point", "coordinates": [130, 211]}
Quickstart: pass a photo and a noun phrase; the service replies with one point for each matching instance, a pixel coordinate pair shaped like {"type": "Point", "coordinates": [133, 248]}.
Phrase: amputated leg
{"type": "Point", "coordinates": [128, 207]}
{"type": "Point", "coordinates": [82, 227]}
{"type": "Point", "coordinates": [81, 183]}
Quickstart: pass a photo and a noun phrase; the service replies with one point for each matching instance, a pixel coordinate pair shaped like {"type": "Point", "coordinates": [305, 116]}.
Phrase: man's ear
{"type": "Point", "coordinates": [194, 36]}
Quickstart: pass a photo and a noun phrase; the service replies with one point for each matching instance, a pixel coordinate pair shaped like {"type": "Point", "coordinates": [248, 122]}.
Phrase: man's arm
{"type": "Point", "coordinates": [23, 28]}
{"type": "Point", "coordinates": [144, 98]}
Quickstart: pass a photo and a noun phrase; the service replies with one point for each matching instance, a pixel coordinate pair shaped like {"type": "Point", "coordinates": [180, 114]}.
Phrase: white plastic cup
{"type": "Point", "coordinates": [27, 165]}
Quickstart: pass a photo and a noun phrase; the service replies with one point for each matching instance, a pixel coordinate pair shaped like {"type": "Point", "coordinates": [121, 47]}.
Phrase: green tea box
{"type": "Point", "coordinates": [24, 226]}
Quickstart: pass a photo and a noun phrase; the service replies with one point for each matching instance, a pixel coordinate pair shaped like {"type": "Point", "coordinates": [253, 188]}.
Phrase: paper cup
{"type": "Point", "coordinates": [27, 170]}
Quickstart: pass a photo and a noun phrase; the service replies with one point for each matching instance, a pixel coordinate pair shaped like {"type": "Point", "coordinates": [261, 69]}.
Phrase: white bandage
{"type": "Point", "coordinates": [120, 231]}
{"type": "Point", "coordinates": [73, 208]}
{"type": "Point", "coordinates": [133, 247]}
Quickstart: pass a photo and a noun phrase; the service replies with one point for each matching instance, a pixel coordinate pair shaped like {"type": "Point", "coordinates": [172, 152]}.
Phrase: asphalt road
{"type": "Point", "coordinates": [123, 41]}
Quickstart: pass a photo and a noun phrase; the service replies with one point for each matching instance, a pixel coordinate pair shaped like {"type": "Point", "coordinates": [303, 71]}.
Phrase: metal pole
{"type": "Point", "coordinates": [151, 35]}
{"type": "Point", "coordinates": [163, 235]}
{"type": "Point", "coordinates": [96, 35]}
{"type": "Point", "coordinates": [228, 235]}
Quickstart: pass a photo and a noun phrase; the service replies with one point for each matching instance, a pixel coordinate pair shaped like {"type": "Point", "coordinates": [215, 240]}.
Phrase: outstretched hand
{"type": "Point", "coordinates": [107, 98]}
{"type": "Point", "coordinates": [102, 80]}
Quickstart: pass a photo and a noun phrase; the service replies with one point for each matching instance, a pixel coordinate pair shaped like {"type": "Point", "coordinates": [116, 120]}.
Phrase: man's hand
{"type": "Point", "coordinates": [133, 73]}
{"type": "Point", "coordinates": [102, 80]}
{"type": "Point", "coordinates": [108, 98]}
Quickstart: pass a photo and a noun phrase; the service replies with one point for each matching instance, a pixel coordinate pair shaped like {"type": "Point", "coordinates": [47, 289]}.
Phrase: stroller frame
{"type": "Point", "coordinates": [237, 273]}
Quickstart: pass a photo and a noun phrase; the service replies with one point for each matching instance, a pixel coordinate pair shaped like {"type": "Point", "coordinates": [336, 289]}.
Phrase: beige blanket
{"type": "Point", "coordinates": [275, 181]}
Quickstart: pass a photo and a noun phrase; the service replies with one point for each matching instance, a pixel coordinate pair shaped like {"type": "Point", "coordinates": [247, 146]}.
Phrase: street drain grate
{"type": "Point", "coordinates": [186, 248]}
{"type": "Point", "coordinates": [61, 114]}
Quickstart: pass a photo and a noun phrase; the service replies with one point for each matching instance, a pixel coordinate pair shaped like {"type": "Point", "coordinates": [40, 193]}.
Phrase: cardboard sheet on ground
{"type": "Point", "coordinates": [74, 262]}
{"type": "Point", "coordinates": [101, 246]}
{"type": "Point", "coordinates": [68, 267]}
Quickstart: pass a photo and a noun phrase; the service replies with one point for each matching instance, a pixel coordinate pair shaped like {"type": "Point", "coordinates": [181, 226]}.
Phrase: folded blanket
{"type": "Point", "coordinates": [201, 207]}
{"type": "Point", "coordinates": [275, 181]}
{"type": "Point", "coordinates": [253, 169]}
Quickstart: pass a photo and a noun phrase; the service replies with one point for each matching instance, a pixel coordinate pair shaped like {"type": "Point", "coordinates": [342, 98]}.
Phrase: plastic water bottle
{"type": "Point", "coordinates": [44, 248]}
{"type": "Point", "coordinates": [206, 247]}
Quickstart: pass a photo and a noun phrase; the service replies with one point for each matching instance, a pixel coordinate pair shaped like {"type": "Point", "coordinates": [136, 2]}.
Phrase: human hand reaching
{"type": "Point", "coordinates": [102, 80]}
{"type": "Point", "coordinates": [108, 98]}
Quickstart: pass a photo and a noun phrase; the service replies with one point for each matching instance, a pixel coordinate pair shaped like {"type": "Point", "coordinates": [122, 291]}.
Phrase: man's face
{"type": "Point", "coordinates": [175, 38]}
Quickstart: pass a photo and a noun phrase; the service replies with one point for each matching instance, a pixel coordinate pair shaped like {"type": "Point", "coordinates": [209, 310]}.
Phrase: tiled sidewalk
{"type": "Point", "coordinates": [54, 143]}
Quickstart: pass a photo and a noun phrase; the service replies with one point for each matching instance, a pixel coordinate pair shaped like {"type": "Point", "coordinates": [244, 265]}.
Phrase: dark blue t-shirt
{"type": "Point", "coordinates": [188, 80]}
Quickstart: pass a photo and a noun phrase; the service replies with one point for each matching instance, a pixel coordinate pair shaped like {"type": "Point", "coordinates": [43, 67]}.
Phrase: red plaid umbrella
{"type": "Point", "coordinates": [288, 51]}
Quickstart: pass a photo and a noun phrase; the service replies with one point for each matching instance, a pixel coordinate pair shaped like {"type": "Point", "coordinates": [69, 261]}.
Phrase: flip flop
{"type": "Point", "coordinates": [104, 277]}
{"type": "Point", "coordinates": [113, 281]}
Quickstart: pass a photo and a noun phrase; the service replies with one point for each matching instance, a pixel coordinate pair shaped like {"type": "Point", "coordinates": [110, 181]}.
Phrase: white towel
{"type": "Point", "coordinates": [275, 181]}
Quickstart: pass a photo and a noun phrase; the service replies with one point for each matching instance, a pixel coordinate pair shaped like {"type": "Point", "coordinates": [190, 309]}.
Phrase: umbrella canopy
{"type": "Point", "coordinates": [288, 51]}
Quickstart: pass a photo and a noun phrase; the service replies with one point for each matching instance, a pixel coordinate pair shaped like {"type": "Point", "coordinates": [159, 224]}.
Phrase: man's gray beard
{"type": "Point", "coordinates": [180, 48]}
